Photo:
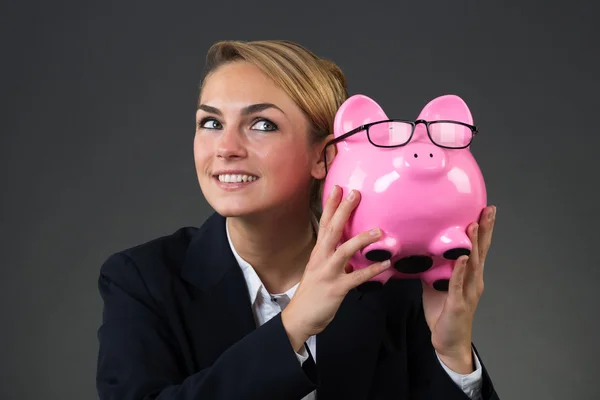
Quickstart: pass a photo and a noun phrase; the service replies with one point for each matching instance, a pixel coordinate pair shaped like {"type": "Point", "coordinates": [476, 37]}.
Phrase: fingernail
{"type": "Point", "coordinates": [375, 232]}
{"type": "Point", "coordinates": [475, 230]}
{"type": "Point", "coordinates": [492, 214]}
{"type": "Point", "coordinates": [352, 195]}
{"type": "Point", "coordinates": [386, 263]}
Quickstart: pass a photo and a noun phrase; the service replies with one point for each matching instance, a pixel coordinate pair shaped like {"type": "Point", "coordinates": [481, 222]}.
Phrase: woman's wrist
{"type": "Point", "coordinates": [459, 362]}
{"type": "Point", "coordinates": [295, 334]}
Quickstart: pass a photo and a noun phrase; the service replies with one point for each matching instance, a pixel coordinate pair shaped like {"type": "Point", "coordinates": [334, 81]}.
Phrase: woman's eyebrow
{"type": "Point", "coordinates": [251, 109]}
{"type": "Point", "coordinates": [254, 108]}
{"type": "Point", "coordinates": [210, 109]}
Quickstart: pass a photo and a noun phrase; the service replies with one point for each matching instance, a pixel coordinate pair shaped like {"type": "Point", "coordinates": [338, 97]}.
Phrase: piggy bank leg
{"type": "Point", "coordinates": [451, 244]}
{"type": "Point", "coordinates": [439, 277]}
{"type": "Point", "coordinates": [382, 250]}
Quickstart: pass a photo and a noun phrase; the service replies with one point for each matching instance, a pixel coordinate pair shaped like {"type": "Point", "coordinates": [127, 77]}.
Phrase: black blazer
{"type": "Point", "coordinates": [178, 324]}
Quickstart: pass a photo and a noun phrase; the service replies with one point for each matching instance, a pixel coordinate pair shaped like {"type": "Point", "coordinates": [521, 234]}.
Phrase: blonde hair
{"type": "Point", "coordinates": [316, 85]}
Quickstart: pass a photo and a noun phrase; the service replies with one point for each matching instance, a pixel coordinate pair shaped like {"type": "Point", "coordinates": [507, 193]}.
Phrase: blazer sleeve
{"type": "Point", "coordinates": [139, 359]}
{"type": "Point", "coordinates": [428, 379]}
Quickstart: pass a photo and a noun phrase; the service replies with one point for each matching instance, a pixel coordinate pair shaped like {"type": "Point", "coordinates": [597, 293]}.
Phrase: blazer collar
{"type": "Point", "coordinates": [223, 303]}
{"type": "Point", "coordinates": [209, 257]}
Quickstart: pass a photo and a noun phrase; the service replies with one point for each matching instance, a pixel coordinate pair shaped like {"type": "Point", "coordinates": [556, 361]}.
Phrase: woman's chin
{"type": "Point", "coordinates": [239, 206]}
{"type": "Point", "coordinates": [235, 210]}
{"type": "Point", "coordinates": [249, 211]}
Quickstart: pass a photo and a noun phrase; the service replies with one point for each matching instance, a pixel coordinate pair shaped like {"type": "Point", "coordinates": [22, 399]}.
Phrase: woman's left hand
{"type": "Point", "coordinates": [450, 314]}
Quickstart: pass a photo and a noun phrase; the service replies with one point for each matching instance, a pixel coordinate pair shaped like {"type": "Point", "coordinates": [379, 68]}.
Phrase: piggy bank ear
{"type": "Point", "coordinates": [449, 107]}
{"type": "Point", "coordinates": [356, 111]}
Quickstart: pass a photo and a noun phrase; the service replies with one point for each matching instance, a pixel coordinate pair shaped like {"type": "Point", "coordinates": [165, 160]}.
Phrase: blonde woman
{"type": "Point", "coordinates": [257, 303]}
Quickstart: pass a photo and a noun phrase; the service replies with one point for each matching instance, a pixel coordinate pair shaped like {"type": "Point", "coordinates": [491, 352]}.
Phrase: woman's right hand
{"type": "Point", "coordinates": [327, 278]}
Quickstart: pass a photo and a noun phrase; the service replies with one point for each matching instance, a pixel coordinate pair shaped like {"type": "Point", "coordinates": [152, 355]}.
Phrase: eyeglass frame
{"type": "Point", "coordinates": [365, 127]}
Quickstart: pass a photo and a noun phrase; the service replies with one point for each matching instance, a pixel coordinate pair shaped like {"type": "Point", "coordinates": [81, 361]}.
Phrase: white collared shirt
{"type": "Point", "coordinates": [266, 305]}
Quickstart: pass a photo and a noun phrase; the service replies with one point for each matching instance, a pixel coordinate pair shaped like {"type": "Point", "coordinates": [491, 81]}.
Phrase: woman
{"type": "Point", "coordinates": [258, 303]}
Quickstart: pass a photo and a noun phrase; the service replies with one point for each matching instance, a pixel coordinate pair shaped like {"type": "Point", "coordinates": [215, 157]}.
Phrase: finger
{"type": "Point", "coordinates": [343, 253]}
{"type": "Point", "coordinates": [473, 283]}
{"type": "Point", "coordinates": [334, 229]}
{"type": "Point", "coordinates": [331, 204]}
{"type": "Point", "coordinates": [360, 276]}
{"type": "Point", "coordinates": [486, 228]}
{"type": "Point", "coordinates": [473, 234]}
{"type": "Point", "coordinates": [473, 260]}
{"type": "Point", "coordinates": [457, 279]}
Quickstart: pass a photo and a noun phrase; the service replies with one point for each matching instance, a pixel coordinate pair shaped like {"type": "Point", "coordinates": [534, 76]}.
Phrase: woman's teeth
{"type": "Point", "coordinates": [237, 178]}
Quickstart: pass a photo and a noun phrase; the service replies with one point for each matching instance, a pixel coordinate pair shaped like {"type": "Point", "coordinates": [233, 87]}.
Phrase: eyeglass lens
{"type": "Point", "coordinates": [396, 133]}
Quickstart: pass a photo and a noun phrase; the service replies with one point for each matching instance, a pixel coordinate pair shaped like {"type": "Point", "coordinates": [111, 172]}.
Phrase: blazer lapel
{"type": "Point", "coordinates": [219, 312]}
{"type": "Point", "coordinates": [347, 349]}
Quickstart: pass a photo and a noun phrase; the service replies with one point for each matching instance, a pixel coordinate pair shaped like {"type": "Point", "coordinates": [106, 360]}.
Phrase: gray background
{"type": "Point", "coordinates": [96, 153]}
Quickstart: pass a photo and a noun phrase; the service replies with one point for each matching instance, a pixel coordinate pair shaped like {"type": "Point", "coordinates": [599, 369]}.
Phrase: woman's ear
{"type": "Point", "coordinates": [322, 153]}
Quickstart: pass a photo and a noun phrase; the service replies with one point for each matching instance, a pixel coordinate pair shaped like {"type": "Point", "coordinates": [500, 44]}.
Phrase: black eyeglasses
{"type": "Point", "coordinates": [398, 132]}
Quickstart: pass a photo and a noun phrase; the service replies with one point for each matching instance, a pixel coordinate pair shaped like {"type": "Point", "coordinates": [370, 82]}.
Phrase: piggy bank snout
{"type": "Point", "coordinates": [425, 158]}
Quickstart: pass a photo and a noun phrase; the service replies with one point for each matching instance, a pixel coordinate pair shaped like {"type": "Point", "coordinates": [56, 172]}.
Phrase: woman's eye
{"type": "Point", "coordinates": [210, 123]}
{"type": "Point", "coordinates": [264, 125]}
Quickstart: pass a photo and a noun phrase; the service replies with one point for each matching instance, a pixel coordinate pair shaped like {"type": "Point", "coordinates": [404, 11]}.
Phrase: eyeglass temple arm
{"type": "Point", "coordinates": [345, 135]}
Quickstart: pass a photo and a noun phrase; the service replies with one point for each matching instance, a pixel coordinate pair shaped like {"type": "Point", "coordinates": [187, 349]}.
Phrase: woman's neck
{"type": "Point", "coordinates": [277, 246]}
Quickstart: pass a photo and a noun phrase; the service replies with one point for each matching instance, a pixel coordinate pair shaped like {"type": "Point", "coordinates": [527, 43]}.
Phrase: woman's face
{"type": "Point", "coordinates": [252, 148]}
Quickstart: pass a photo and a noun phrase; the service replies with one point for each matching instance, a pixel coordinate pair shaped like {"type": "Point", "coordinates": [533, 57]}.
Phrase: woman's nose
{"type": "Point", "coordinates": [230, 145]}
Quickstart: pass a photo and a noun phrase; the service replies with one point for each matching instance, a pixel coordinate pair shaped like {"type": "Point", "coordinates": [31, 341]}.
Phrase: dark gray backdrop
{"type": "Point", "coordinates": [96, 156]}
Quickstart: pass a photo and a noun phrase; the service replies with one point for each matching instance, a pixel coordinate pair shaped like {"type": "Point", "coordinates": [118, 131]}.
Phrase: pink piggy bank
{"type": "Point", "coordinates": [418, 181]}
